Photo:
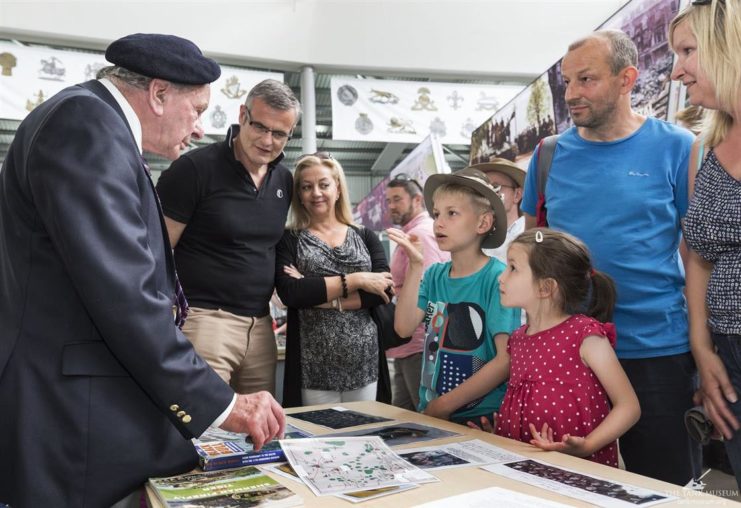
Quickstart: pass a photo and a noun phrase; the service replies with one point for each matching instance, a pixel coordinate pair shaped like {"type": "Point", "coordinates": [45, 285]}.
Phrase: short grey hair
{"type": "Point", "coordinates": [134, 79]}
{"type": "Point", "coordinates": [131, 78]}
{"type": "Point", "coordinates": [275, 94]}
{"type": "Point", "coordinates": [623, 51]}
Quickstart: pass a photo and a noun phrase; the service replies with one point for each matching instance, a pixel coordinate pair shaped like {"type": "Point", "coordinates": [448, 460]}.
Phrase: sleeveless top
{"type": "Point", "coordinates": [549, 383]}
{"type": "Point", "coordinates": [712, 228]}
{"type": "Point", "coordinates": [339, 350]}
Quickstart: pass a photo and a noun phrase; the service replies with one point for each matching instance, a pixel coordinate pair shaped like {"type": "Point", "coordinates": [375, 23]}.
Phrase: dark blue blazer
{"type": "Point", "coordinates": [98, 388]}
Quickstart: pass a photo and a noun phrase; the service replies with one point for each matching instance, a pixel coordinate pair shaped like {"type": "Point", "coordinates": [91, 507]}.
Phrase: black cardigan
{"type": "Point", "coordinates": [310, 292]}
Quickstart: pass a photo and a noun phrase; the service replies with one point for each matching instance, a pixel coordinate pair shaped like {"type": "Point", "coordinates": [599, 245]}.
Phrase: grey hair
{"type": "Point", "coordinates": [134, 79]}
{"type": "Point", "coordinates": [275, 94]}
{"type": "Point", "coordinates": [131, 78]}
{"type": "Point", "coordinates": [623, 51]}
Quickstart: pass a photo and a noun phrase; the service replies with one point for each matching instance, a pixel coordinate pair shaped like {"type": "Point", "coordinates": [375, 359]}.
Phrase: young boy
{"type": "Point", "coordinates": [466, 326]}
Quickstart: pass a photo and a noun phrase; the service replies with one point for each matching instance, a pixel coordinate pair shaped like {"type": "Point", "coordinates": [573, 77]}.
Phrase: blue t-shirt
{"type": "Point", "coordinates": [625, 199]}
{"type": "Point", "coordinates": [462, 316]}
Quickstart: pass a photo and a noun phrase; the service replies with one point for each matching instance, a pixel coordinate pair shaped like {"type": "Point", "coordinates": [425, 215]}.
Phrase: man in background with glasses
{"type": "Point", "coordinates": [510, 179]}
{"type": "Point", "coordinates": [406, 208]}
{"type": "Point", "coordinates": [225, 208]}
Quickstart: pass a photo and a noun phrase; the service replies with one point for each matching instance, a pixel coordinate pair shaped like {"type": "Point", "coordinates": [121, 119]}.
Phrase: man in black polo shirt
{"type": "Point", "coordinates": [225, 208]}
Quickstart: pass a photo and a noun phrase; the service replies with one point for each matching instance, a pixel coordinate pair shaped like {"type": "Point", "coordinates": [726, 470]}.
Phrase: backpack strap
{"type": "Point", "coordinates": [546, 149]}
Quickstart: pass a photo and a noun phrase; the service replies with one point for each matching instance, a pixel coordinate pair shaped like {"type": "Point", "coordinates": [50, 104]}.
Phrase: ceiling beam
{"type": "Point", "coordinates": [455, 154]}
{"type": "Point", "coordinates": [387, 157]}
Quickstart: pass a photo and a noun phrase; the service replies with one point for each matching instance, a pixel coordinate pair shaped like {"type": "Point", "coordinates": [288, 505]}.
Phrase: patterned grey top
{"type": "Point", "coordinates": [712, 228]}
{"type": "Point", "coordinates": [339, 350]}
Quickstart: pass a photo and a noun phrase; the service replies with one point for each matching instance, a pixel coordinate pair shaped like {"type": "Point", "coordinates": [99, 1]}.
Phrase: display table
{"type": "Point", "coordinates": [460, 480]}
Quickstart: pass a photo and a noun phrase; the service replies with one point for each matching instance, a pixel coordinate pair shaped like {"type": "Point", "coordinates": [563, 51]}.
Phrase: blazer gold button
{"type": "Point", "coordinates": [174, 408]}
{"type": "Point", "coordinates": [187, 419]}
{"type": "Point", "coordinates": [181, 413]}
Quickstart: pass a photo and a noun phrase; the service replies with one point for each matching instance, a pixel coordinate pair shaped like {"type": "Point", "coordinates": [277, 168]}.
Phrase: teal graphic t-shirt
{"type": "Point", "coordinates": [462, 316]}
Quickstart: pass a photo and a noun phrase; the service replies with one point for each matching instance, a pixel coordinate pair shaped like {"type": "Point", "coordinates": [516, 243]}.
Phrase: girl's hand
{"type": "Point", "coordinates": [291, 271]}
{"type": "Point", "coordinates": [485, 424]}
{"type": "Point", "coordinates": [411, 244]}
{"type": "Point", "coordinates": [573, 445]}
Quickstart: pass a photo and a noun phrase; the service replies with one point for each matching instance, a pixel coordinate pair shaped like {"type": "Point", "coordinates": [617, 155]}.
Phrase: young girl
{"type": "Point", "coordinates": [567, 391]}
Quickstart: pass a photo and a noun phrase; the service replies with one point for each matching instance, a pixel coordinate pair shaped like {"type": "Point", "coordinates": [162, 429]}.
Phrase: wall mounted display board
{"type": "Point", "coordinates": [407, 111]}
{"type": "Point", "coordinates": [31, 74]}
{"type": "Point", "coordinates": [540, 110]}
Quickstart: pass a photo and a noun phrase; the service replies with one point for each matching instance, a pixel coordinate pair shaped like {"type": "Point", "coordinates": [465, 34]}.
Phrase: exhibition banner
{"type": "Point", "coordinates": [425, 160]}
{"type": "Point", "coordinates": [407, 111]}
{"type": "Point", "coordinates": [228, 93]}
{"type": "Point", "coordinates": [31, 74]}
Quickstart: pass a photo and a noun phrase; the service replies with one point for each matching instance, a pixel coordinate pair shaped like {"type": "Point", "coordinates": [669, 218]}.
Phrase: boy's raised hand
{"type": "Point", "coordinates": [573, 445]}
{"type": "Point", "coordinates": [411, 244]}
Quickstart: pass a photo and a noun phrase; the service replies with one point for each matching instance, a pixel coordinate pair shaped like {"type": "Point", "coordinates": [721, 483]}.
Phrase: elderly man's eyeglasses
{"type": "Point", "coordinates": [403, 177]}
{"type": "Point", "coordinates": [262, 130]}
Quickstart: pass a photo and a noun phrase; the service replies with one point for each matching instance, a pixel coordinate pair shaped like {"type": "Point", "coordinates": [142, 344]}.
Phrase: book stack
{"type": "Point", "coordinates": [232, 488]}
{"type": "Point", "coordinates": [220, 449]}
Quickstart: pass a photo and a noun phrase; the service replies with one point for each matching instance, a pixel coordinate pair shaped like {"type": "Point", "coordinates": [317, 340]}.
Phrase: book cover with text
{"type": "Point", "coordinates": [220, 449]}
{"type": "Point", "coordinates": [241, 487]}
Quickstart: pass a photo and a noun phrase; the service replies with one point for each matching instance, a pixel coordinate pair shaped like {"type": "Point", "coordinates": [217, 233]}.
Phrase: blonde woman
{"type": "Point", "coordinates": [329, 272]}
{"type": "Point", "coordinates": [706, 37]}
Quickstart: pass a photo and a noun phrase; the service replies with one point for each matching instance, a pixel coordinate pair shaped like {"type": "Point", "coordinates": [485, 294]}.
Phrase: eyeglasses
{"type": "Point", "coordinates": [403, 177]}
{"type": "Point", "coordinates": [498, 189]}
{"type": "Point", "coordinates": [706, 2]}
{"type": "Point", "coordinates": [280, 136]}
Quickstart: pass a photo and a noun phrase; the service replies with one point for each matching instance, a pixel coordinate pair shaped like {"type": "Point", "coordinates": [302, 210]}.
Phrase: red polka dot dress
{"type": "Point", "coordinates": [549, 384]}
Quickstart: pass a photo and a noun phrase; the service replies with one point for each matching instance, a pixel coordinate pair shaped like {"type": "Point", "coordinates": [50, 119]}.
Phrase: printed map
{"type": "Point", "coordinates": [339, 465]}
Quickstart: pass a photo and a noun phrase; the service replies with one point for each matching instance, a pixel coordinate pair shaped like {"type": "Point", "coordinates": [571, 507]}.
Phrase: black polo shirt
{"type": "Point", "coordinates": [226, 255]}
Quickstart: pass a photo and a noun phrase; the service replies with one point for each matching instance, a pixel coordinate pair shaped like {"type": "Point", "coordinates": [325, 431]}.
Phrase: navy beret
{"type": "Point", "coordinates": [165, 57]}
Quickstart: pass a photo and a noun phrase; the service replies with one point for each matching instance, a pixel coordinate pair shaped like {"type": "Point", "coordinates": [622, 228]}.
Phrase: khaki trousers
{"type": "Point", "coordinates": [240, 349]}
{"type": "Point", "coordinates": [405, 383]}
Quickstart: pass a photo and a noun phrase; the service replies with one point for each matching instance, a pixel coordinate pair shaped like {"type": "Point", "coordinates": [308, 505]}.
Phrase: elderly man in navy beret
{"type": "Point", "coordinates": [99, 389]}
